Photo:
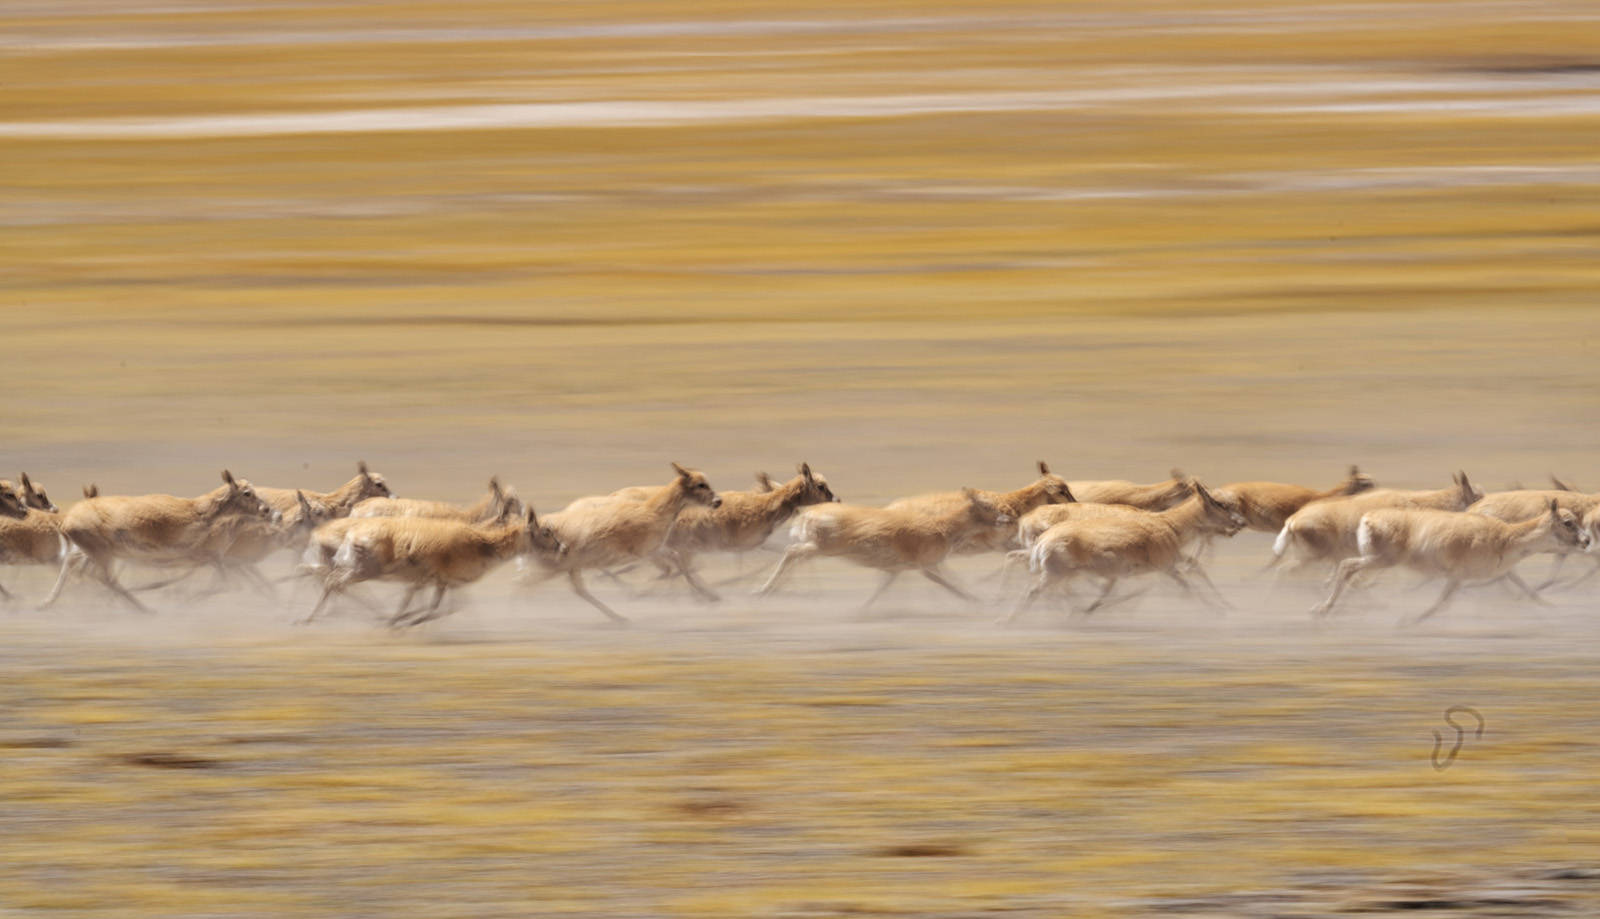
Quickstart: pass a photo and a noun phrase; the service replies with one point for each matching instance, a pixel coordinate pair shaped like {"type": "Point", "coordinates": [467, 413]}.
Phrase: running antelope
{"type": "Point", "coordinates": [1325, 531]}
{"type": "Point", "coordinates": [241, 547]}
{"type": "Point", "coordinates": [1048, 489]}
{"type": "Point", "coordinates": [336, 503]}
{"type": "Point", "coordinates": [431, 551]}
{"type": "Point", "coordinates": [1526, 504]}
{"type": "Point", "coordinates": [487, 508]}
{"type": "Point", "coordinates": [1119, 544]}
{"type": "Point", "coordinates": [743, 521]}
{"type": "Point", "coordinates": [27, 535]}
{"type": "Point", "coordinates": [1157, 497]}
{"type": "Point", "coordinates": [1458, 547]}
{"type": "Point", "coordinates": [150, 528]}
{"type": "Point", "coordinates": [606, 534]}
{"type": "Point", "coordinates": [1266, 506]}
{"type": "Point", "coordinates": [890, 539]}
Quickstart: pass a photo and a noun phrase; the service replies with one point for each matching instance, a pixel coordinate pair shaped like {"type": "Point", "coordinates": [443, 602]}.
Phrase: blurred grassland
{"type": "Point", "coordinates": [1083, 774]}
{"type": "Point", "coordinates": [1176, 183]}
{"type": "Point", "coordinates": [889, 218]}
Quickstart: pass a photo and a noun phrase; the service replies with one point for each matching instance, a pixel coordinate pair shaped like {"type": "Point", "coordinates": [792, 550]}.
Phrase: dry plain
{"type": "Point", "coordinates": [917, 244]}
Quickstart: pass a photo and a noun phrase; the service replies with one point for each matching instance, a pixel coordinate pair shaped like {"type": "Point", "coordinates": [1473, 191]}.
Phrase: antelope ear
{"type": "Point", "coordinates": [1044, 468]}
{"type": "Point", "coordinates": [494, 486]}
{"type": "Point", "coordinates": [227, 478]}
{"type": "Point", "coordinates": [805, 471]}
{"type": "Point", "coordinates": [533, 517]}
{"type": "Point", "coordinates": [91, 490]}
{"type": "Point", "coordinates": [1354, 470]}
{"type": "Point", "coordinates": [1555, 508]}
{"type": "Point", "coordinates": [1067, 491]}
{"type": "Point", "coordinates": [1200, 490]}
{"type": "Point", "coordinates": [1176, 473]}
{"type": "Point", "coordinates": [26, 485]}
{"type": "Point", "coordinates": [682, 472]}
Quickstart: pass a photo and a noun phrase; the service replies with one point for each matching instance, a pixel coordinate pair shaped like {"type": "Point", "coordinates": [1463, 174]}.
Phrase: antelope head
{"type": "Point", "coordinates": [32, 494]}
{"type": "Point", "coordinates": [1219, 518]}
{"type": "Point", "coordinates": [372, 484]}
{"type": "Point", "coordinates": [1469, 494]}
{"type": "Point", "coordinates": [1566, 528]}
{"type": "Point", "coordinates": [1357, 482]}
{"type": "Point", "coordinates": [242, 499]}
{"type": "Point", "coordinates": [11, 505]}
{"type": "Point", "coordinates": [543, 539]}
{"type": "Point", "coordinates": [309, 516]}
{"type": "Point", "coordinates": [695, 486]}
{"type": "Point", "coordinates": [1055, 487]}
{"type": "Point", "coordinates": [816, 490]}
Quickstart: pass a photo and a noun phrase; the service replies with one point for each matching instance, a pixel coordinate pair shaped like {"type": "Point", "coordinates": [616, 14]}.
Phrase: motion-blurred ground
{"type": "Point", "coordinates": [917, 244]}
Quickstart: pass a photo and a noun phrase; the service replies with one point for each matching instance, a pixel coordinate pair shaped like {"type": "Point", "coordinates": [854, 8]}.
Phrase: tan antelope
{"type": "Point", "coordinates": [148, 528]}
{"type": "Point", "coordinates": [487, 508]}
{"type": "Point", "coordinates": [30, 493]}
{"type": "Point", "coordinates": [764, 483]}
{"type": "Point", "coordinates": [743, 521]}
{"type": "Point", "coordinates": [336, 503]}
{"type": "Point", "coordinates": [607, 534]}
{"type": "Point", "coordinates": [326, 538]}
{"type": "Point", "coordinates": [1114, 545]}
{"type": "Point", "coordinates": [22, 530]}
{"type": "Point", "coordinates": [892, 540]}
{"type": "Point", "coordinates": [1156, 497]}
{"type": "Point", "coordinates": [1458, 547]}
{"type": "Point", "coordinates": [1037, 521]}
{"type": "Point", "coordinates": [1266, 506]}
{"type": "Point", "coordinates": [431, 551]}
{"type": "Point", "coordinates": [1048, 489]}
{"type": "Point", "coordinates": [1591, 525]}
{"type": "Point", "coordinates": [239, 547]}
{"type": "Point", "coordinates": [1526, 504]}
{"type": "Point", "coordinates": [12, 506]}
{"type": "Point", "coordinates": [1325, 531]}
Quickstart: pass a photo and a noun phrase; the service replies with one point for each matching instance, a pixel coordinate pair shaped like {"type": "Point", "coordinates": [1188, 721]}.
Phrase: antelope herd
{"type": "Point", "coordinates": [1063, 530]}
